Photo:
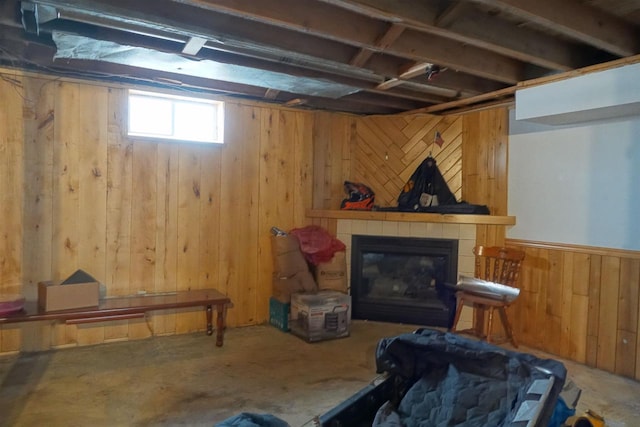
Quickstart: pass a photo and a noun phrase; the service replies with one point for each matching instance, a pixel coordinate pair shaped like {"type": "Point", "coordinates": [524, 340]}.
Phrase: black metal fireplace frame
{"type": "Point", "coordinates": [437, 314]}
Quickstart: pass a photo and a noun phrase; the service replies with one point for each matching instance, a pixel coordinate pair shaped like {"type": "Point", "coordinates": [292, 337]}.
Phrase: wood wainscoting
{"type": "Point", "coordinates": [581, 303]}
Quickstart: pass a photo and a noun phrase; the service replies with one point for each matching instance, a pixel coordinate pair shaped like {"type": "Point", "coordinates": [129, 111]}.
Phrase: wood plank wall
{"type": "Point", "coordinates": [388, 149]}
{"type": "Point", "coordinates": [581, 303]}
{"type": "Point", "coordinates": [381, 152]}
{"type": "Point", "coordinates": [76, 192]}
{"type": "Point", "coordinates": [12, 151]}
{"type": "Point", "coordinates": [484, 171]}
{"type": "Point", "coordinates": [141, 216]}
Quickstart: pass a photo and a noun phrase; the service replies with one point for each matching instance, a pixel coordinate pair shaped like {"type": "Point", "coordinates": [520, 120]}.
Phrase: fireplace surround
{"type": "Point", "coordinates": [401, 279]}
{"type": "Point", "coordinates": [413, 225]}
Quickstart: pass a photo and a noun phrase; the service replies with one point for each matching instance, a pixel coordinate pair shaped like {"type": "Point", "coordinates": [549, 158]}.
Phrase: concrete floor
{"type": "Point", "coordinates": [186, 380]}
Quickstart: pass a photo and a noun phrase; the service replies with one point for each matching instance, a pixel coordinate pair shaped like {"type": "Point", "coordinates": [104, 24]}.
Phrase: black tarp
{"type": "Point", "coordinates": [457, 381]}
{"type": "Point", "coordinates": [427, 191]}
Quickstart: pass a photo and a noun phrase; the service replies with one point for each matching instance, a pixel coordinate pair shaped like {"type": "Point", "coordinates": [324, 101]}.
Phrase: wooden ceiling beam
{"type": "Point", "coordinates": [415, 70]}
{"type": "Point", "coordinates": [372, 98]}
{"type": "Point", "coordinates": [404, 75]}
{"type": "Point", "coordinates": [391, 66]}
{"type": "Point", "coordinates": [361, 58]}
{"type": "Point", "coordinates": [307, 16]}
{"type": "Point", "coordinates": [576, 20]}
{"type": "Point", "coordinates": [25, 48]}
{"type": "Point", "coordinates": [450, 14]}
{"type": "Point", "coordinates": [457, 56]}
{"type": "Point", "coordinates": [392, 33]}
{"type": "Point", "coordinates": [271, 94]}
{"type": "Point", "coordinates": [388, 84]}
{"type": "Point", "coordinates": [232, 32]}
{"type": "Point", "coordinates": [493, 34]}
{"type": "Point", "coordinates": [412, 92]}
{"type": "Point", "coordinates": [390, 36]}
{"type": "Point", "coordinates": [525, 44]}
{"type": "Point", "coordinates": [391, 10]}
{"type": "Point", "coordinates": [326, 21]}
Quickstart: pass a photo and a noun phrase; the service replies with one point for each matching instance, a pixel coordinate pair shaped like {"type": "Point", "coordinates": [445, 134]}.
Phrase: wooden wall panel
{"type": "Point", "coordinates": [163, 217]}
{"type": "Point", "coordinates": [11, 197]}
{"type": "Point", "coordinates": [387, 150]}
{"type": "Point", "coordinates": [238, 245]}
{"type": "Point", "coordinates": [188, 261]}
{"type": "Point", "coordinates": [332, 155]}
{"type": "Point", "coordinates": [167, 252]}
{"type": "Point", "coordinates": [119, 204]}
{"type": "Point", "coordinates": [485, 157]}
{"type": "Point", "coordinates": [38, 201]}
{"type": "Point", "coordinates": [143, 216]}
{"type": "Point", "coordinates": [592, 304]}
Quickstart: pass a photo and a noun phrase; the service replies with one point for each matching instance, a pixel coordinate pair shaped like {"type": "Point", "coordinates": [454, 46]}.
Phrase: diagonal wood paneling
{"type": "Point", "coordinates": [389, 149]}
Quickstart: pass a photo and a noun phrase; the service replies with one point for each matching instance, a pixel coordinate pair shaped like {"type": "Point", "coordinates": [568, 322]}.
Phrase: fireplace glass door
{"type": "Point", "coordinates": [399, 279]}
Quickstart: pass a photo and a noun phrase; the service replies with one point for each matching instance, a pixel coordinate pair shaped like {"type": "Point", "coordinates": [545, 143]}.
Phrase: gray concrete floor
{"type": "Point", "coordinates": [186, 380]}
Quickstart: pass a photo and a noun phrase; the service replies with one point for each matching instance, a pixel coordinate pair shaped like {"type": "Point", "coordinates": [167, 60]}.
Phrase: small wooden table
{"type": "Point", "coordinates": [131, 307]}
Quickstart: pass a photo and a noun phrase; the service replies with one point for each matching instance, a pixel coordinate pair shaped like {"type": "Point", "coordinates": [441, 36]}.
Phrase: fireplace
{"type": "Point", "coordinates": [401, 279]}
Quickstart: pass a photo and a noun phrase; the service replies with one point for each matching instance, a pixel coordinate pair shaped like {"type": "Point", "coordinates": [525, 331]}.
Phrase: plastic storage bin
{"type": "Point", "coordinates": [279, 314]}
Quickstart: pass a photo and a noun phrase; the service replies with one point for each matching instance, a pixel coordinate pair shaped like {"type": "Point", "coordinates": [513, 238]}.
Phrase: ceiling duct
{"type": "Point", "coordinates": [70, 46]}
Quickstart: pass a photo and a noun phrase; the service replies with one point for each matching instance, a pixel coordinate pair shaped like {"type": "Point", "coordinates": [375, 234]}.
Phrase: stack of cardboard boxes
{"type": "Point", "coordinates": [314, 306]}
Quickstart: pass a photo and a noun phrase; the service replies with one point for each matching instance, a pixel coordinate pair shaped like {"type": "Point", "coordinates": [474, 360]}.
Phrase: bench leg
{"type": "Point", "coordinates": [209, 320]}
{"type": "Point", "coordinates": [220, 325]}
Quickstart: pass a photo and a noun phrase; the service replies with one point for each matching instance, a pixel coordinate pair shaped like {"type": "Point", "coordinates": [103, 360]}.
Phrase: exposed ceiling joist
{"type": "Point", "coordinates": [359, 56]}
{"type": "Point", "coordinates": [575, 20]}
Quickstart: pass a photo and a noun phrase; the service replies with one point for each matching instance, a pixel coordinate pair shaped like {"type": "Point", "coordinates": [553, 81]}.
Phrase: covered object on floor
{"type": "Point", "coordinates": [442, 379]}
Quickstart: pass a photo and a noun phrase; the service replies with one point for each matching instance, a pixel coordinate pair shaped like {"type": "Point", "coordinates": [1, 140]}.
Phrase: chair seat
{"type": "Point", "coordinates": [474, 298]}
{"type": "Point", "coordinates": [498, 265]}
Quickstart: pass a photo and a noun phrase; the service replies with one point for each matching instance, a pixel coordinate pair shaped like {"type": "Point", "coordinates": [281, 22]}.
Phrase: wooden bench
{"type": "Point", "coordinates": [132, 307]}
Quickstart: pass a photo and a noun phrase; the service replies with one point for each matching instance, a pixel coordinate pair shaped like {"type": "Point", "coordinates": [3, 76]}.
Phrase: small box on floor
{"type": "Point", "coordinates": [279, 314]}
{"type": "Point", "coordinates": [320, 316]}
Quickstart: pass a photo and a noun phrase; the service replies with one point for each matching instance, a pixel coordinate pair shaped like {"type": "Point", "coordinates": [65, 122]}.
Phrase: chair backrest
{"type": "Point", "coordinates": [498, 264]}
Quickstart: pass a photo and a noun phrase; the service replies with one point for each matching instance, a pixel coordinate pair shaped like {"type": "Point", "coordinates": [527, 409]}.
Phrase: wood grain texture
{"type": "Point", "coordinates": [144, 216]}
{"type": "Point", "coordinates": [333, 153]}
{"type": "Point", "coordinates": [118, 210]}
{"type": "Point", "coordinates": [12, 95]}
{"type": "Point", "coordinates": [66, 201]}
{"type": "Point", "coordinates": [127, 209]}
{"type": "Point", "coordinates": [592, 305]}
{"type": "Point", "coordinates": [484, 159]}
{"type": "Point", "coordinates": [166, 265]}
{"type": "Point", "coordinates": [388, 149]}
{"type": "Point", "coordinates": [38, 202]}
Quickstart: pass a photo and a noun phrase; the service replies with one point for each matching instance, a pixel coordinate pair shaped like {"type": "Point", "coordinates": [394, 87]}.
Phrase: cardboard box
{"type": "Point", "coordinates": [284, 287]}
{"type": "Point", "coordinates": [321, 316]}
{"type": "Point", "coordinates": [332, 275]}
{"type": "Point", "coordinates": [56, 296]}
{"type": "Point", "coordinates": [288, 260]}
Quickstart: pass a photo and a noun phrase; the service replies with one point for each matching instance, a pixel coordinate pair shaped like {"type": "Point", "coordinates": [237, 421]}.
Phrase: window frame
{"type": "Point", "coordinates": [218, 105]}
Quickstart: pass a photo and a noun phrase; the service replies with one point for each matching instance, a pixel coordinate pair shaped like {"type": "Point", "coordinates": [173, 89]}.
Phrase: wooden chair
{"type": "Point", "coordinates": [496, 264]}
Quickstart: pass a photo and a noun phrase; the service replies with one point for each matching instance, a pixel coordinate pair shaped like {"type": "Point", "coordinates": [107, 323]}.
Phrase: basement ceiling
{"type": "Point", "coordinates": [357, 56]}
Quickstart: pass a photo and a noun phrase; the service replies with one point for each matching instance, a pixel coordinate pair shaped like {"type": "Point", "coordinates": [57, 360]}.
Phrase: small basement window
{"type": "Point", "coordinates": [186, 119]}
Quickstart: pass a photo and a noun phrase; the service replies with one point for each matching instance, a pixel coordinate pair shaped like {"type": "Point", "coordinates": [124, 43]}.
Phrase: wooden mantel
{"type": "Point", "coordinates": [412, 217]}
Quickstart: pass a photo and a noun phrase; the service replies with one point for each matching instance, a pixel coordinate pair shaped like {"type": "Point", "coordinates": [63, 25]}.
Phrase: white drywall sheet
{"type": "Point", "coordinates": [576, 184]}
{"type": "Point", "coordinates": [596, 96]}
